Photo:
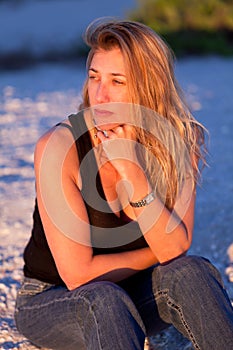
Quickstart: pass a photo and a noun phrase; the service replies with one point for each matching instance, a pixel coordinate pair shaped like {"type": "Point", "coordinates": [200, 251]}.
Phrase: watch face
{"type": "Point", "coordinates": [150, 198]}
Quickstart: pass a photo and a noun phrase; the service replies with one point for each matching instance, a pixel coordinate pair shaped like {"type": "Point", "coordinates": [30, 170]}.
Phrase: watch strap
{"type": "Point", "coordinates": [144, 201]}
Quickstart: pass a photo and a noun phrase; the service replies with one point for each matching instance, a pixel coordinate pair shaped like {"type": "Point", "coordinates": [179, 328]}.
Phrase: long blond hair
{"type": "Point", "coordinates": [151, 82]}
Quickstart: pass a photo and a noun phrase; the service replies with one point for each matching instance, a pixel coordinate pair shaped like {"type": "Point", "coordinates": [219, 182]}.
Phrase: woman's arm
{"type": "Point", "coordinates": [168, 233]}
{"type": "Point", "coordinates": [65, 219]}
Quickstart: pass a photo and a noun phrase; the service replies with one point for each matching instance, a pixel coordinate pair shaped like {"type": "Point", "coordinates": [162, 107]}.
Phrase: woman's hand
{"type": "Point", "coordinates": [119, 146]}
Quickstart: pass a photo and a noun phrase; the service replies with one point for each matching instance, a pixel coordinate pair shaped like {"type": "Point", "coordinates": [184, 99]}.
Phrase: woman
{"type": "Point", "coordinates": [106, 264]}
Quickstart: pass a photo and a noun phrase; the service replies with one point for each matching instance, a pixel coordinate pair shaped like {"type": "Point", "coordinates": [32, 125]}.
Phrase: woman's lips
{"type": "Point", "coordinates": [102, 112]}
{"type": "Point", "coordinates": [105, 119]}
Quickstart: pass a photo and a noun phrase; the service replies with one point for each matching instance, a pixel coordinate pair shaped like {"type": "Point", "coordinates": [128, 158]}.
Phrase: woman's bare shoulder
{"type": "Point", "coordinates": [57, 143]}
{"type": "Point", "coordinates": [56, 135]}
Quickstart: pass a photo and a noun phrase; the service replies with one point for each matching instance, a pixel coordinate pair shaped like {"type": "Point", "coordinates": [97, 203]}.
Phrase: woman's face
{"type": "Point", "coordinates": [107, 78]}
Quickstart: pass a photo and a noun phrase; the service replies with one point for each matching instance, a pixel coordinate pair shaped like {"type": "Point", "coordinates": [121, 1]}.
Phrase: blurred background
{"type": "Point", "coordinates": [35, 31]}
{"type": "Point", "coordinates": [51, 30]}
{"type": "Point", "coordinates": [42, 69]}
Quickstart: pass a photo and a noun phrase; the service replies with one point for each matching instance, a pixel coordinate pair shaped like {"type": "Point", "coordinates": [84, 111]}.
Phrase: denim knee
{"type": "Point", "coordinates": [187, 272]}
{"type": "Point", "coordinates": [107, 298]}
{"type": "Point", "coordinates": [110, 312]}
{"type": "Point", "coordinates": [184, 283]}
{"type": "Point", "coordinates": [182, 290]}
{"type": "Point", "coordinates": [102, 293]}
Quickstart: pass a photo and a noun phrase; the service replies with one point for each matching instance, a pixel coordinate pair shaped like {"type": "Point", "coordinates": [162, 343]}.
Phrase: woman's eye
{"type": "Point", "coordinates": [92, 77]}
{"type": "Point", "coordinates": [118, 82]}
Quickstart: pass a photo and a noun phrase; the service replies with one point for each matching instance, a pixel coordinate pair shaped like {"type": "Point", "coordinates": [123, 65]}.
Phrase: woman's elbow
{"type": "Point", "coordinates": [174, 248]}
{"type": "Point", "coordinates": [71, 287]}
{"type": "Point", "coordinates": [74, 281]}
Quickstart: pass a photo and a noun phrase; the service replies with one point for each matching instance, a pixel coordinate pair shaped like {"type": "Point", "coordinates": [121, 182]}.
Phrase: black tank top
{"type": "Point", "coordinates": [109, 233]}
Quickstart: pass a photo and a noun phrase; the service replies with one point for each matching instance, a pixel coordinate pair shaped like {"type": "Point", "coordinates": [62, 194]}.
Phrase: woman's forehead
{"type": "Point", "coordinates": [108, 60]}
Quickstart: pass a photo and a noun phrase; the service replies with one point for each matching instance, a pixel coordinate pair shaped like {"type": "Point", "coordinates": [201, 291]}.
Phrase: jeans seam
{"type": "Point", "coordinates": [171, 303]}
{"type": "Point", "coordinates": [95, 319]}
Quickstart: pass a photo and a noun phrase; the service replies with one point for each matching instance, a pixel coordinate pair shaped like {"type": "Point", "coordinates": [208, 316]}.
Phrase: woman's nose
{"type": "Point", "coordinates": [102, 93]}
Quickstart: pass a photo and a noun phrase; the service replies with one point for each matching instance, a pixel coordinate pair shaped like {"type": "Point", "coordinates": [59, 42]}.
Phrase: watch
{"type": "Point", "coordinates": [144, 201]}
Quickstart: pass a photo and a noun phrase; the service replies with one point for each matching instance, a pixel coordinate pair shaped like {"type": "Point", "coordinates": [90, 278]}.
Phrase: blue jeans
{"type": "Point", "coordinates": [186, 292]}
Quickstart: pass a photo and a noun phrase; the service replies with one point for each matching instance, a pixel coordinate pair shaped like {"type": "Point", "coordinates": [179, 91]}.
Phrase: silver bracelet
{"type": "Point", "coordinates": [144, 201]}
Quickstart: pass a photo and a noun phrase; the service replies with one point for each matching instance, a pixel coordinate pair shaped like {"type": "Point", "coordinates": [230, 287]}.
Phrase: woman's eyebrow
{"type": "Point", "coordinates": [114, 74]}
{"type": "Point", "coordinates": [118, 74]}
{"type": "Point", "coordinates": [94, 70]}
